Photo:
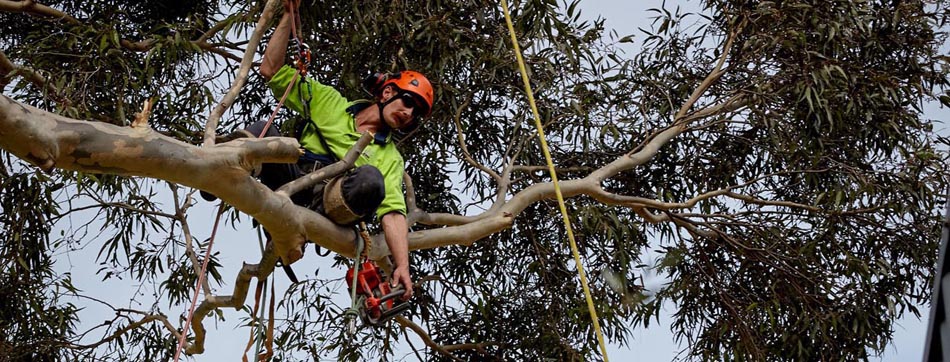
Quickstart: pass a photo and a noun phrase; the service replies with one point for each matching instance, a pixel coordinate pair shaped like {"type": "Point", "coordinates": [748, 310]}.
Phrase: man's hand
{"type": "Point", "coordinates": [401, 276]}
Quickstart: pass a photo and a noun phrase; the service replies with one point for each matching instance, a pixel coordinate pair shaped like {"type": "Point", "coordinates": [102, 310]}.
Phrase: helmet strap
{"type": "Point", "coordinates": [382, 133]}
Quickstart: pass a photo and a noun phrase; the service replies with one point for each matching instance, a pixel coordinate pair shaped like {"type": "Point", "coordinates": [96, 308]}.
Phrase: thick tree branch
{"type": "Point", "coordinates": [243, 72]}
{"type": "Point", "coordinates": [48, 140]}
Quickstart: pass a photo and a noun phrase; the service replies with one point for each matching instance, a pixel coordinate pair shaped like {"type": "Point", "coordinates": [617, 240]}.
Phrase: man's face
{"type": "Point", "coordinates": [401, 112]}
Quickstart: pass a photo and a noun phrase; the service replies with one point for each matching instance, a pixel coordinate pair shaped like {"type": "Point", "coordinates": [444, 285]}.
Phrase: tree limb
{"type": "Point", "coordinates": [243, 72]}
{"type": "Point", "coordinates": [33, 8]}
{"type": "Point", "coordinates": [311, 179]}
{"type": "Point", "coordinates": [8, 70]}
{"type": "Point", "coordinates": [261, 271]}
{"type": "Point", "coordinates": [147, 318]}
{"type": "Point", "coordinates": [406, 323]}
{"type": "Point", "coordinates": [466, 156]}
{"type": "Point", "coordinates": [48, 140]}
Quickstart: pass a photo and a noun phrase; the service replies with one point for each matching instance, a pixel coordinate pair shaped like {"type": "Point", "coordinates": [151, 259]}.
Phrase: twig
{"type": "Point", "coordinates": [414, 350]}
{"type": "Point", "coordinates": [405, 322]}
{"type": "Point", "coordinates": [461, 138]}
{"type": "Point", "coordinates": [120, 205]}
{"type": "Point", "coordinates": [119, 332]}
{"type": "Point", "coordinates": [181, 216]}
{"type": "Point", "coordinates": [8, 70]}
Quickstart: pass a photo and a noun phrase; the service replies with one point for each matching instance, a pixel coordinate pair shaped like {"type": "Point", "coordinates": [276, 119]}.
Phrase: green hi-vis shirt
{"type": "Point", "coordinates": [328, 111]}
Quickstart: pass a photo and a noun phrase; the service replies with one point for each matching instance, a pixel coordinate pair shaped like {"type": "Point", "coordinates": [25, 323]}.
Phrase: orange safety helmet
{"type": "Point", "coordinates": [415, 83]}
{"type": "Point", "coordinates": [406, 81]}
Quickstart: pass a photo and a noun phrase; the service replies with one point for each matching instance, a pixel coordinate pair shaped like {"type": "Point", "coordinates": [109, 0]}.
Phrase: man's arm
{"type": "Point", "coordinates": [396, 230]}
{"type": "Point", "coordinates": [276, 49]}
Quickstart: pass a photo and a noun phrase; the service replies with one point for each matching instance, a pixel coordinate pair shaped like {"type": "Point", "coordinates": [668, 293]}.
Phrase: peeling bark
{"type": "Point", "coordinates": [51, 141]}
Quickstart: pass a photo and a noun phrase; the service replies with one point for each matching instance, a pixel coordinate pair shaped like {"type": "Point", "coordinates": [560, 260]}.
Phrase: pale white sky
{"type": "Point", "coordinates": [225, 341]}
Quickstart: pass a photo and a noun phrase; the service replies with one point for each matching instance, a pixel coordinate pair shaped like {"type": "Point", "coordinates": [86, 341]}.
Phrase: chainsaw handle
{"type": "Point", "coordinates": [398, 291]}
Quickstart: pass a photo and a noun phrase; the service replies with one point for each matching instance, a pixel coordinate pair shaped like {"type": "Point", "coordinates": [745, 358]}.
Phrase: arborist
{"type": "Point", "coordinates": [331, 124]}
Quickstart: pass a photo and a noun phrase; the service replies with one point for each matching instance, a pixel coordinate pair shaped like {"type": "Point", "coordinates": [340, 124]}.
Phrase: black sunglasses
{"type": "Point", "coordinates": [410, 101]}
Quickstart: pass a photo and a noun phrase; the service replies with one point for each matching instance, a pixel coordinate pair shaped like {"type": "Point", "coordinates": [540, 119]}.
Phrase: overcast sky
{"type": "Point", "coordinates": [235, 247]}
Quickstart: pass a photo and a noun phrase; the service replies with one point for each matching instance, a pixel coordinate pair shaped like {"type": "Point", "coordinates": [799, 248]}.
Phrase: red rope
{"type": "Point", "coordinates": [204, 265]}
{"type": "Point", "coordinates": [279, 104]}
{"type": "Point", "coordinates": [201, 278]}
{"type": "Point", "coordinates": [293, 27]}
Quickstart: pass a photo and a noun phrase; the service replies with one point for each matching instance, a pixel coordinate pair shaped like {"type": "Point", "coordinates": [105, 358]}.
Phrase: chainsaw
{"type": "Point", "coordinates": [376, 300]}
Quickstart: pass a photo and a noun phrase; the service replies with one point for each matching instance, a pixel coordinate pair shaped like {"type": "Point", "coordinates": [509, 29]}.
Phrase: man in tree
{"type": "Point", "coordinates": [332, 125]}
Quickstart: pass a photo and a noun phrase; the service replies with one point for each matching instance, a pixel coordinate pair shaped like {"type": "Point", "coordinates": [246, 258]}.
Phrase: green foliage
{"type": "Point", "coordinates": [842, 173]}
{"type": "Point", "coordinates": [34, 321]}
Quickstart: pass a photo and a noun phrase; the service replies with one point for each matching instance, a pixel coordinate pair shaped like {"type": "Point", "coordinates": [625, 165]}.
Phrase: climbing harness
{"type": "Point", "coordinates": [557, 188]}
{"type": "Point", "coordinates": [373, 300]}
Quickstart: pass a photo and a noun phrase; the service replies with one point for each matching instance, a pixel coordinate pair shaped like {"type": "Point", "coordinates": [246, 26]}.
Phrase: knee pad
{"type": "Point", "coordinates": [355, 195]}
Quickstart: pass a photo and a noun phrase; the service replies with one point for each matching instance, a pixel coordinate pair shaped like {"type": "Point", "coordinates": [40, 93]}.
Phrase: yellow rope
{"type": "Point", "coordinates": [557, 187]}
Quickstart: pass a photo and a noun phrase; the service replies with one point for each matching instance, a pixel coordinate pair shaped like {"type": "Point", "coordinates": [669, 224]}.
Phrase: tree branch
{"type": "Point", "coordinates": [48, 140]}
{"type": "Point", "coordinates": [406, 323]}
{"type": "Point", "coordinates": [466, 156]}
{"type": "Point", "coordinates": [261, 271]}
{"type": "Point", "coordinates": [8, 70]}
{"type": "Point", "coordinates": [181, 216]}
{"type": "Point", "coordinates": [147, 318]}
{"type": "Point", "coordinates": [243, 72]}
{"type": "Point", "coordinates": [545, 168]}
{"type": "Point", "coordinates": [148, 44]}
{"type": "Point", "coordinates": [713, 76]}
{"type": "Point", "coordinates": [311, 179]}
{"type": "Point", "coordinates": [33, 8]}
